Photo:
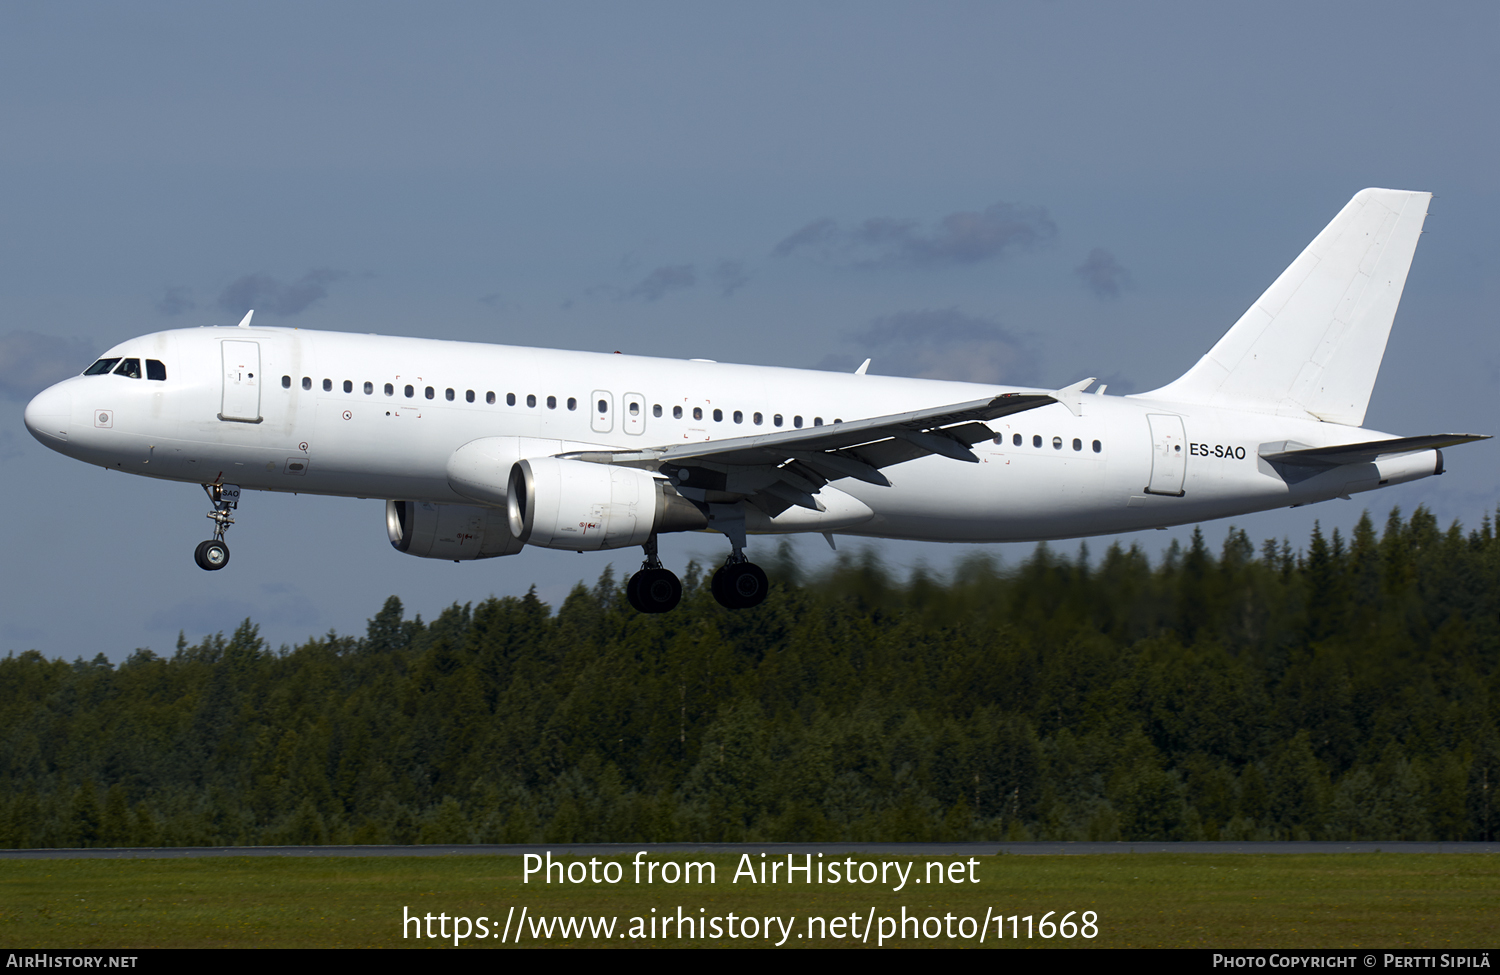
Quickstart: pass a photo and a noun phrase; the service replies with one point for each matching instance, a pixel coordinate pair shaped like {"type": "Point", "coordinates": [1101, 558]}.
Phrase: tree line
{"type": "Point", "coordinates": [1345, 691]}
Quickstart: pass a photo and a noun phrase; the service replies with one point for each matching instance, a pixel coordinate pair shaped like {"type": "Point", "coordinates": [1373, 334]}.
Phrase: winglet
{"type": "Point", "coordinates": [862, 367]}
{"type": "Point", "coordinates": [245, 322]}
{"type": "Point", "coordinates": [1072, 396]}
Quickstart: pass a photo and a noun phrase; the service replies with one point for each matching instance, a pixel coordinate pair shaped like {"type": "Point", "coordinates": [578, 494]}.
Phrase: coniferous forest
{"type": "Point", "coordinates": [1348, 689]}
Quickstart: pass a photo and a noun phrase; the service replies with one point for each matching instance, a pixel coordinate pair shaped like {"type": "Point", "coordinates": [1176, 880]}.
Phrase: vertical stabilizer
{"type": "Point", "coordinates": [1312, 344]}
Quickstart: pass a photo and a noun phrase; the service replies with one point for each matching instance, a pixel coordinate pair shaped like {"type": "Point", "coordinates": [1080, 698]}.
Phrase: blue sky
{"type": "Point", "coordinates": [1029, 192]}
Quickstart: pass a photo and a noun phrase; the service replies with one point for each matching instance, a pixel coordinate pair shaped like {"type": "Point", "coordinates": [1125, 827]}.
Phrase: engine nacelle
{"type": "Point", "coordinates": [480, 469]}
{"type": "Point", "coordinates": [449, 531]}
{"type": "Point", "coordinates": [578, 506]}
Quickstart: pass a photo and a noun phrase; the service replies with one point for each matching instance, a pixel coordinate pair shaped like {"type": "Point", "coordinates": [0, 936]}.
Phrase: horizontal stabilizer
{"type": "Point", "coordinates": [1359, 453]}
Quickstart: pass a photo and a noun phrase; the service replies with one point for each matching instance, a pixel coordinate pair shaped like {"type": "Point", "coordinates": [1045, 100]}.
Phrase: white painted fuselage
{"type": "Point", "coordinates": [481, 449]}
{"type": "Point", "coordinates": [373, 416]}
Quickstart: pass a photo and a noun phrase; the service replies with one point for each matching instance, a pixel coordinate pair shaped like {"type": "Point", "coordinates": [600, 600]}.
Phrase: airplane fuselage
{"type": "Point", "coordinates": [372, 416]}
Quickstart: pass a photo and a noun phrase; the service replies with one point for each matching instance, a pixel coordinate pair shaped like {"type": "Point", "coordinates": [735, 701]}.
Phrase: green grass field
{"type": "Point", "coordinates": [1151, 900]}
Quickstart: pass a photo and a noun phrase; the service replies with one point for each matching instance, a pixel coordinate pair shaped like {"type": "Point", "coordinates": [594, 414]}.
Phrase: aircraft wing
{"type": "Point", "coordinates": [1298, 455]}
{"type": "Point", "coordinates": [776, 470]}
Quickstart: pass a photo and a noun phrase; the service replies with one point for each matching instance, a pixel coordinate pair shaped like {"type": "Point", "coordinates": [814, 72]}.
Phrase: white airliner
{"type": "Point", "coordinates": [480, 450]}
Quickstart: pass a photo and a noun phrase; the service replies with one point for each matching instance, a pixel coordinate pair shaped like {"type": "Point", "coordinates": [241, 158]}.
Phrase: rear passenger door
{"type": "Point", "coordinates": [1168, 454]}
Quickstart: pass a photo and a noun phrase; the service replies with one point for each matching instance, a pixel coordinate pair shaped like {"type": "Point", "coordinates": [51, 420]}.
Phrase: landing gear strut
{"type": "Point", "coordinates": [740, 583]}
{"type": "Point", "coordinates": [214, 554]}
{"type": "Point", "coordinates": [653, 589]}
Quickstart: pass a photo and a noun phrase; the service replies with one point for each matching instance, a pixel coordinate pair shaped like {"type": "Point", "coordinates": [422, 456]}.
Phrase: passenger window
{"type": "Point", "coordinates": [428, 393]}
{"type": "Point", "coordinates": [758, 419]}
{"type": "Point", "coordinates": [817, 421]}
{"type": "Point", "coordinates": [797, 422]}
{"type": "Point", "coordinates": [573, 404]}
{"type": "Point", "coordinates": [1077, 444]}
{"type": "Point", "coordinates": [328, 385]}
{"type": "Point", "coordinates": [739, 417]}
{"type": "Point", "coordinates": [1057, 443]}
{"type": "Point", "coordinates": [656, 410]}
{"type": "Point", "coordinates": [1036, 441]}
{"type": "Point", "coordinates": [510, 399]}
{"type": "Point", "coordinates": [101, 367]}
{"type": "Point", "coordinates": [410, 392]}
{"type": "Point", "coordinates": [131, 368]}
{"type": "Point", "coordinates": [306, 380]}
{"type": "Point", "coordinates": [348, 386]}
{"type": "Point", "coordinates": [448, 395]}
{"type": "Point", "coordinates": [697, 412]}
{"type": "Point", "coordinates": [531, 399]}
{"type": "Point", "coordinates": [390, 390]}
{"type": "Point", "coordinates": [718, 416]}
{"type": "Point", "coordinates": [776, 420]}
{"type": "Point", "coordinates": [676, 412]}
{"type": "Point", "coordinates": [286, 382]}
{"type": "Point", "coordinates": [370, 388]}
{"type": "Point", "coordinates": [468, 396]}
{"type": "Point", "coordinates": [156, 369]}
{"type": "Point", "coordinates": [635, 408]}
{"type": "Point", "coordinates": [1098, 446]}
{"type": "Point", "coordinates": [489, 398]}
{"type": "Point", "coordinates": [603, 406]}
{"type": "Point", "coordinates": [551, 402]}
{"type": "Point", "coordinates": [1016, 440]}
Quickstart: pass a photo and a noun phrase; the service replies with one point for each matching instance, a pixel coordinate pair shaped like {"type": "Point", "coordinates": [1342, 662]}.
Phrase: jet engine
{"type": "Point", "coordinates": [579, 506]}
{"type": "Point", "coordinates": [449, 531]}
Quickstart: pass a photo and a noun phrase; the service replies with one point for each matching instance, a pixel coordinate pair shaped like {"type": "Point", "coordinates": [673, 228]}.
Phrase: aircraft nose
{"type": "Point", "coordinates": [48, 415]}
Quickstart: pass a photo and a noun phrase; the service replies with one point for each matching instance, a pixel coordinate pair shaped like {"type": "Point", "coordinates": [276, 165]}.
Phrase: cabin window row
{"type": "Point", "coordinates": [430, 392]}
{"type": "Point", "coordinates": [427, 392]}
{"type": "Point", "coordinates": [1057, 442]}
{"type": "Point", "coordinates": [738, 416]}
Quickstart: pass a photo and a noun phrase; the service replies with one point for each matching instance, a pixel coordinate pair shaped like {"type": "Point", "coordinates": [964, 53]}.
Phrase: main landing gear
{"type": "Point", "coordinates": [739, 584]}
{"type": "Point", "coordinates": [214, 554]}
{"type": "Point", "coordinates": [653, 589]}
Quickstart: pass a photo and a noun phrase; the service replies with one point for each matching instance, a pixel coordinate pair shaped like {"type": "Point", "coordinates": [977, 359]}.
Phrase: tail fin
{"type": "Point", "coordinates": [1312, 344]}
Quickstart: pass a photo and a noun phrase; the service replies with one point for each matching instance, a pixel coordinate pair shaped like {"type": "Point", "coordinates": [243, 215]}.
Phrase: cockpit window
{"type": "Point", "coordinates": [129, 367]}
{"type": "Point", "coordinates": [101, 367]}
{"type": "Point", "coordinates": [156, 369]}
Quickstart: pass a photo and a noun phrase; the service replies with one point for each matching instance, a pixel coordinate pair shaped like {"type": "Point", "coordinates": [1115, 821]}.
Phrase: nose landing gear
{"type": "Point", "coordinates": [214, 554]}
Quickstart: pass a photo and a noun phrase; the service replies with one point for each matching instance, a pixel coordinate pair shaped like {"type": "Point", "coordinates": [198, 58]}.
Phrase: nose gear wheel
{"type": "Point", "coordinates": [214, 554]}
{"type": "Point", "coordinates": [211, 555]}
